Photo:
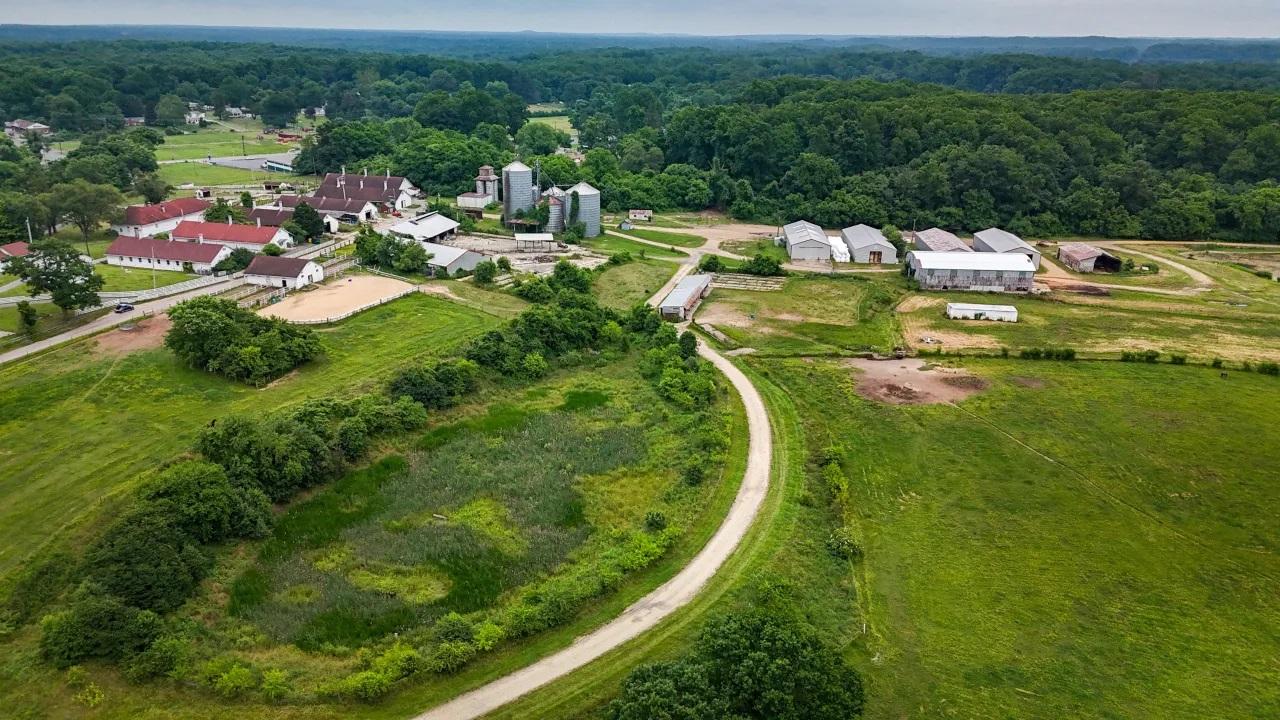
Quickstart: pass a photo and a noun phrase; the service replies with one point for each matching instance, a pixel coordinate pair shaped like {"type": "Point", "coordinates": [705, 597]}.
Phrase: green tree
{"type": "Point", "coordinates": [152, 188]}
{"type": "Point", "coordinates": [28, 316]}
{"type": "Point", "coordinates": [222, 211]}
{"type": "Point", "coordinates": [246, 200]}
{"type": "Point", "coordinates": [87, 205]}
{"type": "Point", "coordinates": [56, 268]}
{"type": "Point", "coordinates": [309, 222]}
{"type": "Point", "coordinates": [539, 138]}
{"type": "Point", "coordinates": [170, 111]}
{"type": "Point", "coordinates": [485, 272]}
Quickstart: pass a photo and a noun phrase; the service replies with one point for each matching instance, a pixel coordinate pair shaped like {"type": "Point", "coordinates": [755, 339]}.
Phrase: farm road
{"type": "Point", "coordinates": [647, 612]}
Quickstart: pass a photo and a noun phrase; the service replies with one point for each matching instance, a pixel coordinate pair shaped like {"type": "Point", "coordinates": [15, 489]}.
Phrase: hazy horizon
{"type": "Point", "coordinates": [1185, 19]}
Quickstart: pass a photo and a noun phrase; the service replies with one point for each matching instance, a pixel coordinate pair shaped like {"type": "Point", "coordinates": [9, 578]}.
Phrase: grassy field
{"type": "Point", "coordinates": [1204, 326]}
{"type": "Point", "coordinates": [1029, 570]}
{"type": "Point", "coordinates": [810, 315]}
{"type": "Point", "coordinates": [666, 238]}
{"type": "Point", "coordinates": [623, 286]}
{"type": "Point", "coordinates": [613, 244]}
{"type": "Point", "coordinates": [199, 173]}
{"type": "Point", "coordinates": [121, 278]}
{"type": "Point", "coordinates": [559, 122]}
{"type": "Point", "coordinates": [762, 246]}
{"type": "Point", "coordinates": [105, 417]}
{"type": "Point", "coordinates": [217, 143]}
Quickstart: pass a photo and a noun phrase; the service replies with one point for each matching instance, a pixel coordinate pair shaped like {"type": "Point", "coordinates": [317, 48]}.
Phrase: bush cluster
{"type": "Point", "coordinates": [672, 363]}
{"type": "Point", "coordinates": [221, 337]}
{"type": "Point", "coordinates": [1148, 356]}
{"type": "Point", "coordinates": [1048, 354]}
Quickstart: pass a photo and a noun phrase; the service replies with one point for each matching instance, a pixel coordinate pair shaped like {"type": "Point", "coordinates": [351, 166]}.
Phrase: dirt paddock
{"type": "Point", "coordinates": [143, 335]}
{"type": "Point", "coordinates": [908, 382]}
{"type": "Point", "coordinates": [336, 298]}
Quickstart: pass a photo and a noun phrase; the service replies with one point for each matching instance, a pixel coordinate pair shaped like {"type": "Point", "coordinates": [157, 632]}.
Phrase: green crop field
{"type": "Point", "coordinates": [104, 417]}
{"type": "Point", "coordinates": [810, 315]}
{"type": "Point", "coordinates": [1058, 545]}
{"type": "Point", "coordinates": [559, 122]}
{"type": "Point", "coordinates": [677, 239]}
{"type": "Point", "coordinates": [623, 286]}
{"type": "Point", "coordinates": [218, 145]}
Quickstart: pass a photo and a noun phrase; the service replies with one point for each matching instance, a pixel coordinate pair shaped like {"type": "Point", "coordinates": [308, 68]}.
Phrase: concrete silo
{"type": "Point", "coordinates": [588, 207]}
{"type": "Point", "coordinates": [517, 189]}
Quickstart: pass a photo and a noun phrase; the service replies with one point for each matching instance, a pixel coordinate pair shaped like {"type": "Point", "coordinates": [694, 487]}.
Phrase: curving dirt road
{"type": "Point", "coordinates": [652, 608]}
{"type": "Point", "coordinates": [647, 612]}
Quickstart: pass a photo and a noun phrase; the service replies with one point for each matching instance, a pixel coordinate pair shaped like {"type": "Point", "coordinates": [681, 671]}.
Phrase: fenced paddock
{"type": "Point", "coordinates": [338, 299]}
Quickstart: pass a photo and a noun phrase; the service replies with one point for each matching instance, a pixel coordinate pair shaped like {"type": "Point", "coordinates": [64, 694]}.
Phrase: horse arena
{"type": "Point", "coordinates": [337, 299]}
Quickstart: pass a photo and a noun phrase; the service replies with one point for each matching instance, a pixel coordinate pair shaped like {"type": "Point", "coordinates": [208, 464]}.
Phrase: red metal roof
{"type": "Point", "coordinates": [146, 247]}
{"type": "Point", "coordinates": [222, 232]}
{"type": "Point", "coordinates": [15, 249]}
{"type": "Point", "coordinates": [147, 214]}
{"type": "Point", "coordinates": [279, 266]}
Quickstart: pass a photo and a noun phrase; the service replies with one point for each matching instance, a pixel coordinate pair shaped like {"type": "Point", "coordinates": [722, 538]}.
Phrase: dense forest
{"type": "Point", "coordinates": [1042, 145]}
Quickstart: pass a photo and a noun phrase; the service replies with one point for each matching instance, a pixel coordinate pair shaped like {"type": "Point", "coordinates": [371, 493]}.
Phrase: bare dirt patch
{"type": "Point", "coordinates": [336, 298]}
{"type": "Point", "coordinates": [913, 382]}
{"type": "Point", "coordinates": [917, 302]}
{"type": "Point", "coordinates": [144, 335]}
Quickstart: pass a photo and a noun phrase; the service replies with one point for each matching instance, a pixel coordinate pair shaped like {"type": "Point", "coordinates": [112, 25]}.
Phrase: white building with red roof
{"type": "Point", "coordinates": [249, 237]}
{"type": "Point", "coordinates": [144, 220]}
{"type": "Point", "coordinates": [283, 272]}
{"type": "Point", "coordinates": [13, 250]}
{"type": "Point", "coordinates": [148, 252]}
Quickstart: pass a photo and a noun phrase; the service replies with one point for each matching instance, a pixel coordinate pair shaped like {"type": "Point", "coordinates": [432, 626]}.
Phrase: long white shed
{"type": "Point", "coordinates": [978, 311]}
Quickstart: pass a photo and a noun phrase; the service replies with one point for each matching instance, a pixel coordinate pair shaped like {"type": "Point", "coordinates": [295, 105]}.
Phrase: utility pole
{"type": "Point", "coordinates": [30, 239]}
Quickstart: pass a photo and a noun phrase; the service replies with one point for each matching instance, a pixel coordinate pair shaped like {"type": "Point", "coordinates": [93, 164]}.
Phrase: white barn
{"type": "Point", "coordinates": [149, 253]}
{"type": "Point", "coordinates": [683, 299]}
{"type": "Point", "coordinates": [978, 311]}
{"type": "Point", "coordinates": [1000, 241]}
{"type": "Point", "coordinates": [447, 260]}
{"type": "Point", "coordinates": [283, 272]}
{"type": "Point", "coordinates": [983, 272]}
{"type": "Point", "coordinates": [806, 241]}
{"type": "Point", "coordinates": [868, 245]}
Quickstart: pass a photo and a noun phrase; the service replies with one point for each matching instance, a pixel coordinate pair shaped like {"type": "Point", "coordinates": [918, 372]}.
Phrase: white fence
{"type": "Point", "coordinates": [360, 309]}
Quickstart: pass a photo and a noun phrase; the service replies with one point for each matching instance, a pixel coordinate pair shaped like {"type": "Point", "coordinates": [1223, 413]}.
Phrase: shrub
{"type": "Point", "coordinates": [504, 264]}
{"type": "Point", "coordinates": [1031, 354]}
{"type": "Point", "coordinates": [398, 661]}
{"type": "Point", "coordinates": [1217, 363]}
{"type": "Point", "coordinates": [762, 265]}
{"type": "Point", "coordinates": [200, 500]}
{"type": "Point", "coordinates": [711, 264]}
{"type": "Point", "coordinates": [96, 625]}
{"type": "Point", "coordinates": [366, 685]}
{"type": "Point", "coordinates": [163, 657]}
{"type": "Point", "coordinates": [1269, 368]}
{"type": "Point", "coordinates": [453, 628]}
{"type": "Point", "coordinates": [842, 544]}
{"type": "Point", "coordinates": [221, 337]}
{"type": "Point", "coordinates": [693, 474]}
{"type": "Point", "coordinates": [688, 344]}
{"type": "Point", "coordinates": [1178, 359]}
{"type": "Point", "coordinates": [486, 271]}
{"type": "Point", "coordinates": [278, 455]}
{"type": "Point", "coordinates": [450, 657]}
{"type": "Point", "coordinates": [534, 366]}
{"type": "Point", "coordinates": [655, 521]}
{"type": "Point", "coordinates": [147, 561]}
{"type": "Point", "coordinates": [436, 386]}
{"type": "Point", "coordinates": [487, 636]}
{"type": "Point", "coordinates": [275, 684]}
{"type": "Point", "coordinates": [236, 681]}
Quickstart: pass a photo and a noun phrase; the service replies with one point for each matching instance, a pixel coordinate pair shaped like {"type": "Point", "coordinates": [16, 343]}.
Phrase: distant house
{"type": "Point", "coordinates": [868, 245]}
{"type": "Point", "coordinates": [277, 217]}
{"type": "Point", "coordinates": [447, 260]}
{"type": "Point", "coordinates": [392, 191]}
{"type": "Point", "coordinates": [283, 272]}
{"type": "Point", "coordinates": [976, 311]}
{"type": "Point", "coordinates": [646, 215]}
{"type": "Point", "coordinates": [428, 227]}
{"type": "Point", "coordinates": [193, 117]}
{"type": "Point", "coordinates": [343, 210]}
{"type": "Point", "coordinates": [1000, 241]}
{"type": "Point", "coordinates": [805, 241]}
{"type": "Point", "coordinates": [683, 299]}
{"type": "Point", "coordinates": [143, 220]}
{"type": "Point", "coordinates": [249, 237]}
{"type": "Point", "coordinates": [135, 121]}
{"type": "Point", "coordinates": [235, 112]}
{"type": "Point", "coordinates": [149, 253]}
{"type": "Point", "coordinates": [21, 128]}
{"type": "Point", "coordinates": [1086, 258]}
{"type": "Point", "coordinates": [985, 272]}
{"type": "Point", "coordinates": [13, 250]}
{"type": "Point", "coordinates": [938, 240]}
{"type": "Point", "coordinates": [318, 112]}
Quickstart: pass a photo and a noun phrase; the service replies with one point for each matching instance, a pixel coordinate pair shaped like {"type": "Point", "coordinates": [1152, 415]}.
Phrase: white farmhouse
{"type": "Point", "coordinates": [150, 253]}
{"type": "Point", "coordinates": [868, 245]}
{"type": "Point", "coordinates": [144, 220]}
{"type": "Point", "coordinates": [283, 272]}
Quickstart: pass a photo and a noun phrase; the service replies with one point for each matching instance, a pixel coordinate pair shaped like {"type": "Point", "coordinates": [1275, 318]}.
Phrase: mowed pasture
{"type": "Point", "coordinates": [217, 143]}
{"type": "Point", "coordinates": [1087, 539]}
{"type": "Point", "coordinates": [623, 286]}
{"type": "Point", "coordinates": [80, 423]}
{"type": "Point", "coordinates": [810, 315]}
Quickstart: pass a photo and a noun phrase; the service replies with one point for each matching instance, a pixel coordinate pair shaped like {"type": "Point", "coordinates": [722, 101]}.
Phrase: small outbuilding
{"type": "Point", "coordinates": [977, 311]}
{"type": "Point", "coordinates": [805, 241]}
{"type": "Point", "coordinates": [283, 272]}
{"type": "Point", "coordinates": [1001, 241]}
{"type": "Point", "coordinates": [1084, 258]}
{"type": "Point", "coordinates": [428, 227]}
{"type": "Point", "coordinates": [868, 245]}
{"type": "Point", "coordinates": [447, 261]}
{"type": "Point", "coordinates": [683, 299]}
{"type": "Point", "coordinates": [645, 215]}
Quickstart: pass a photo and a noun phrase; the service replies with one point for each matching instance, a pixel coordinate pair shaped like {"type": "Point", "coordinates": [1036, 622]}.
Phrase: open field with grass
{"type": "Point", "coordinates": [810, 315]}
{"type": "Point", "coordinates": [120, 279]}
{"type": "Point", "coordinates": [559, 122]}
{"type": "Point", "coordinates": [1059, 544]}
{"type": "Point", "coordinates": [751, 248]}
{"type": "Point", "coordinates": [217, 143]}
{"type": "Point", "coordinates": [613, 243]}
{"type": "Point", "coordinates": [104, 416]}
{"type": "Point", "coordinates": [623, 286]}
{"type": "Point", "coordinates": [678, 239]}
{"type": "Point", "coordinates": [1203, 326]}
{"type": "Point", "coordinates": [199, 173]}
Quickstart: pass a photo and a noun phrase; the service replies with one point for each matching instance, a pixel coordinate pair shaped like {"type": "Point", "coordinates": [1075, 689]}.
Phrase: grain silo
{"type": "Point", "coordinates": [588, 207]}
{"type": "Point", "coordinates": [517, 189]}
{"type": "Point", "coordinates": [557, 206]}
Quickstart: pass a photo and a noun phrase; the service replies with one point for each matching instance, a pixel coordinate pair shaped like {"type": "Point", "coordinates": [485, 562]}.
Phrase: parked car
{"type": "Point", "coordinates": [124, 307]}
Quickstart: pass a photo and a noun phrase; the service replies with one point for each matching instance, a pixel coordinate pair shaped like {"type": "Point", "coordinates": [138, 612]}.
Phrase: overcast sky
{"type": "Point", "coordinates": [1179, 18]}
